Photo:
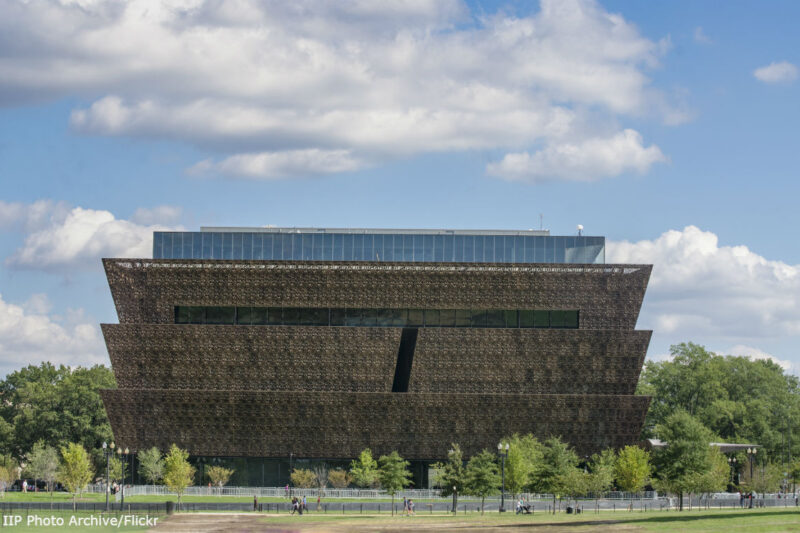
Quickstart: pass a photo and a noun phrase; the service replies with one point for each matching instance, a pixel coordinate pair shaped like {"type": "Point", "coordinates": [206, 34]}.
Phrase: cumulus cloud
{"type": "Point", "coordinates": [28, 335]}
{"type": "Point", "coordinates": [756, 354]}
{"type": "Point", "coordinates": [588, 160]}
{"type": "Point", "coordinates": [268, 165]}
{"type": "Point", "coordinates": [17, 216]}
{"type": "Point", "coordinates": [700, 289]}
{"type": "Point", "coordinates": [782, 71]}
{"type": "Point", "coordinates": [285, 88]}
{"type": "Point", "coordinates": [78, 237]}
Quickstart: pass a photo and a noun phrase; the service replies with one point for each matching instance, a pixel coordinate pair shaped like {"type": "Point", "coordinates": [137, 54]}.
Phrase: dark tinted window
{"type": "Point", "coordinates": [526, 319]}
{"type": "Point", "coordinates": [259, 315]}
{"type": "Point", "coordinates": [495, 319]}
{"type": "Point", "coordinates": [220, 315]}
{"type": "Point", "coordinates": [338, 317]}
{"type": "Point", "coordinates": [447, 318]}
{"type": "Point", "coordinates": [244, 315]}
{"type": "Point", "coordinates": [511, 319]}
{"type": "Point", "coordinates": [541, 319]}
{"type": "Point", "coordinates": [478, 318]}
{"type": "Point", "coordinates": [415, 317]}
{"type": "Point", "coordinates": [432, 318]}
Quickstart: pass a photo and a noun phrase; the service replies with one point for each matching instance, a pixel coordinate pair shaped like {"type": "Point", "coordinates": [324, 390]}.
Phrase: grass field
{"type": "Point", "coordinates": [763, 520]}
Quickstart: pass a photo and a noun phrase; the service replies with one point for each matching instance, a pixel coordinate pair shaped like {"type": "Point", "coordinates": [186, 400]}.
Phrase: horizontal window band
{"type": "Point", "coordinates": [370, 317]}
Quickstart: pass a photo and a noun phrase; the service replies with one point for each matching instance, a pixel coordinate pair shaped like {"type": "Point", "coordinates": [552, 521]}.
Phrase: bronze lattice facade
{"type": "Point", "coordinates": [323, 391]}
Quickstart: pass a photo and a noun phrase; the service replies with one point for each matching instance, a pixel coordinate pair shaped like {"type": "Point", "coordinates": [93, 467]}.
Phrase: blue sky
{"type": "Point", "coordinates": [668, 127]}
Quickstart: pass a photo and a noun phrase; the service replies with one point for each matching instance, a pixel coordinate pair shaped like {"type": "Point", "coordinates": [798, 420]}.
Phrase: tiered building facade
{"type": "Point", "coordinates": [282, 344]}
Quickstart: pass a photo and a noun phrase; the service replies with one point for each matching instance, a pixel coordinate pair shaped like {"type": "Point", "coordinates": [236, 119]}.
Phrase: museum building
{"type": "Point", "coordinates": [269, 347]}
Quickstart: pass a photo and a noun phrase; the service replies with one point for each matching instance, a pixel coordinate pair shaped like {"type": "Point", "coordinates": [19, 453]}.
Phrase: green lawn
{"type": "Point", "coordinates": [762, 520]}
{"type": "Point", "coordinates": [45, 497]}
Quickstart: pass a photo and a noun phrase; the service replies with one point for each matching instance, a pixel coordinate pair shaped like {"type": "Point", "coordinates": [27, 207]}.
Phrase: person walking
{"type": "Point", "coordinates": [411, 507]}
{"type": "Point", "coordinates": [405, 506]}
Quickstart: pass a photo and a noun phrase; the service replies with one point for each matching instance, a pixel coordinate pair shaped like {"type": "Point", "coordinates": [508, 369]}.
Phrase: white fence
{"type": "Point", "coordinates": [354, 494]}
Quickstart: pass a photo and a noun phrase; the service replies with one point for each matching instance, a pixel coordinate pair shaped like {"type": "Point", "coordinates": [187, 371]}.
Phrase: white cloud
{"type": "Point", "coordinates": [29, 336]}
{"type": "Point", "coordinates": [588, 160]}
{"type": "Point", "coordinates": [162, 214]}
{"type": "Point", "coordinates": [756, 354]}
{"type": "Point", "coordinates": [776, 72]}
{"type": "Point", "coordinates": [701, 37]}
{"type": "Point", "coordinates": [269, 165]}
{"type": "Point", "coordinates": [700, 289]}
{"type": "Point", "coordinates": [277, 87]}
{"type": "Point", "coordinates": [18, 216]}
{"type": "Point", "coordinates": [79, 238]}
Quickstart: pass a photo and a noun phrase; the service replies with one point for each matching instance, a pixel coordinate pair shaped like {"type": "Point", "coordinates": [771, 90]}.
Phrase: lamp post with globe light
{"type": "Point", "coordinates": [108, 451]}
{"type": "Point", "coordinates": [503, 453]}
{"type": "Point", "coordinates": [732, 462]}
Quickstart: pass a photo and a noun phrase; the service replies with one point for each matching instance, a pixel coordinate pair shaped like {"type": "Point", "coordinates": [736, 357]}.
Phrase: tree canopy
{"type": "Point", "coordinates": [451, 473]}
{"type": "Point", "coordinates": [736, 398]}
{"type": "Point", "coordinates": [178, 473]}
{"type": "Point", "coordinates": [364, 470]}
{"type": "Point", "coordinates": [54, 405]}
{"type": "Point", "coordinates": [393, 473]}
{"type": "Point", "coordinates": [482, 475]}
{"type": "Point", "coordinates": [75, 471]}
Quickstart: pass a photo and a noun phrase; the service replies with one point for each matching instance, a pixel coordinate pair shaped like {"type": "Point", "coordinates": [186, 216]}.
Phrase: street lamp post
{"type": "Point", "coordinates": [124, 457]}
{"type": "Point", "coordinates": [503, 453]}
{"type": "Point", "coordinates": [455, 499]}
{"type": "Point", "coordinates": [751, 452]}
{"type": "Point", "coordinates": [732, 462]}
{"type": "Point", "coordinates": [108, 452]}
{"type": "Point", "coordinates": [290, 474]}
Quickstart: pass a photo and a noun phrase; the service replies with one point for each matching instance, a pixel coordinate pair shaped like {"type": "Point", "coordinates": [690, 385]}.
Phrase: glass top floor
{"type": "Point", "coordinates": [381, 245]}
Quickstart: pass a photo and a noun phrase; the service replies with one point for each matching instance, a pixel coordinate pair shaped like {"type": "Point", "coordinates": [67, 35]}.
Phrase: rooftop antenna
{"type": "Point", "coordinates": [580, 229]}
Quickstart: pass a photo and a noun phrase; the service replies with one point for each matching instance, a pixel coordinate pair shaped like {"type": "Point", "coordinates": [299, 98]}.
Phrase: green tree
{"type": "Point", "coordinates": [219, 476]}
{"type": "Point", "coordinates": [7, 476]}
{"type": "Point", "coordinates": [524, 457]}
{"type": "Point", "coordinates": [715, 478]}
{"type": "Point", "coordinates": [558, 460]}
{"type": "Point", "coordinates": [482, 476]}
{"type": "Point", "coordinates": [766, 478]}
{"type": "Point", "coordinates": [115, 469]}
{"type": "Point", "coordinates": [686, 454]}
{"type": "Point", "coordinates": [55, 405]}
{"type": "Point", "coordinates": [632, 469]}
{"type": "Point", "coordinates": [364, 470]}
{"type": "Point", "coordinates": [393, 473]}
{"type": "Point", "coordinates": [178, 473]}
{"type": "Point", "coordinates": [75, 471]}
{"type": "Point", "coordinates": [43, 464]}
{"type": "Point", "coordinates": [451, 473]}
{"type": "Point", "coordinates": [736, 398]}
{"type": "Point", "coordinates": [794, 473]}
{"type": "Point", "coordinates": [151, 465]}
{"type": "Point", "coordinates": [602, 472]}
{"type": "Point", "coordinates": [338, 478]}
{"type": "Point", "coordinates": [303, 478]}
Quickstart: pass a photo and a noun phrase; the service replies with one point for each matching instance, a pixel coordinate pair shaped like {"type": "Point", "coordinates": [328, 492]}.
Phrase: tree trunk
{"type": "Point", "coordinates": [393, 504]}
{"type": "Point", "coordinates": [680, 505]}
{"type": "Point", "coordinates": [554, 504]}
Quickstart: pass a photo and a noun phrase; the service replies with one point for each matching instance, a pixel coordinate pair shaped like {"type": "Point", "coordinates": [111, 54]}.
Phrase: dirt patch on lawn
{"type": "Point", "coordinates": [245, 522]}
